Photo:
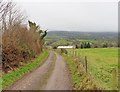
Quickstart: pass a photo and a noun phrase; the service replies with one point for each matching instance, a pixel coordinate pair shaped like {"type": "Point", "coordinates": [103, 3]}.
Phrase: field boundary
{"type": "Point", "coordinates": [82, 61]}
{"type": "Point", "coordinates": [80, 79]}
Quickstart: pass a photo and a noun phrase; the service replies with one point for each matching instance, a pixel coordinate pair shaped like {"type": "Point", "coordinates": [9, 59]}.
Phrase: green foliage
{"type": "Point", "coordinates": [43, 34]}
{"type": "Point", "coordinates": [55, 47]}
{"type": "Point", "coordinates": [64, 51]}
{"type": "Point", "coordinates": [76, 46]}
{"type": "Point", "coordinates": [33, 26]}
{"type": "Point", "coordinates": [105, 45]}
{"type": "Point", "coordinates": [82, 46]}
{"type": "Point", "coordinates": [85, 45]}
{"type": "Point", "coordinates": [88, 45]}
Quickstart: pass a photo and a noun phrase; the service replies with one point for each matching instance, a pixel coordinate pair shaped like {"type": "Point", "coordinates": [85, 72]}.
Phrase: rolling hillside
{"type": "Point", "coordinates": [55, 38]}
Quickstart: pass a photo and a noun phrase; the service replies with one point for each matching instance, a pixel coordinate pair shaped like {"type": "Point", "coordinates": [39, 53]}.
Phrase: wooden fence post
{"type": "Point", "coordinates": [69, 53]}
{"type": "Point", "coordinates": [114, 79]}
{"type": "Point", "coordinates": [75, 53]}
{"type": "Point", "coordinates": [78, 54]}
{"type": "Point", "coordinates": [83, 62]}
{"type": "Point", "coordinates": [86, 63]}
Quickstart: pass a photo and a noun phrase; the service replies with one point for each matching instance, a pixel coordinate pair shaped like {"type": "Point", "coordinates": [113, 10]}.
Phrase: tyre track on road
{"type": "Point", "coordinates": [60, 78]}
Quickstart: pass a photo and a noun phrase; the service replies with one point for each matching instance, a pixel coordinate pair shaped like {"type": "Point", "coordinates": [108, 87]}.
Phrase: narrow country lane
{"type": "Point", "coordinates": [60, 79]}
{"type": "Point", "coordinates": [33, 80]}
{"type": "Point", "coordinates": [52, 75]}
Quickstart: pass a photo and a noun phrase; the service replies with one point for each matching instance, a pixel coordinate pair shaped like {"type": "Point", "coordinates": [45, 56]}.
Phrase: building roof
{"type": "Point", "coordinates": [65, 47]}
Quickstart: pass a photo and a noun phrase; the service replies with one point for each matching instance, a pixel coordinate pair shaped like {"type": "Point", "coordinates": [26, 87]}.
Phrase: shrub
{"type": "Point", "coordinates": [19, 45]}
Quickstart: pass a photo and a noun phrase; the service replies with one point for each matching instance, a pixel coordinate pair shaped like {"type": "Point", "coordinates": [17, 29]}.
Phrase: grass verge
{"type": "Point", "coordinates": [73, 71]}
{"type": "Point", "coordinates": [80, 79]}
{"type": "Point", "coordinates": [10, 78]}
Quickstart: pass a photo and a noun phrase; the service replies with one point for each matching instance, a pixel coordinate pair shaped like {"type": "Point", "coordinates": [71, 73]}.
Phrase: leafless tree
{"type": "Point", "coordinates": [3, 13]}
{"type": "Point", "coordinates": [9, 14]}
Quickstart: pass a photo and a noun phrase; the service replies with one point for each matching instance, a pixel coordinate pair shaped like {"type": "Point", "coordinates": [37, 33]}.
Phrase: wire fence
{"type": "Point", "coordinates": [83, 60]}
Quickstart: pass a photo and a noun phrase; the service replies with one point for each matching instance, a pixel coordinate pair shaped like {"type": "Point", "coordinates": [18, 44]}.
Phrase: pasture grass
{"type": "Point", "coordinates": [80, 80]}
{"type": "Point", "coordinates": [101, 62]}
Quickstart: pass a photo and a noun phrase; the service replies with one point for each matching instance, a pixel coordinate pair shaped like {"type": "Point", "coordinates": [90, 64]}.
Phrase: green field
{"type": "Point", "coordinates": [101, 62]}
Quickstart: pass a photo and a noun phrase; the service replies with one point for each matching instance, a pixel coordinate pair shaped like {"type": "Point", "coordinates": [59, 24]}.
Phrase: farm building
{"type": "Point", "coordinates": [65, 47]}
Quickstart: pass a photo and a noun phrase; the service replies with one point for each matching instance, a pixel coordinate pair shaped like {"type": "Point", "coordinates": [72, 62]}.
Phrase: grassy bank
{"type": "Point", "coordinates": [101, 62]}
{"type": "Point", "coordinates": [10, 78]}
{"type": "Point", "coordinates": [80, 80]}
{"type": "Point", "coordinates": [73, 71]}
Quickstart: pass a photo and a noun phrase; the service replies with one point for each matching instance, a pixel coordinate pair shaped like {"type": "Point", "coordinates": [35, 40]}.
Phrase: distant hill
{"type": "Point", "coordinates": [57, 38]}
{"type": "Point", "coordinates": [82, 35]}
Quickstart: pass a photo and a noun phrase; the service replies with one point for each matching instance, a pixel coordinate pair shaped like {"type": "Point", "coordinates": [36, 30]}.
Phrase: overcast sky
{"type": "Point", "coordinates": [73, 16]}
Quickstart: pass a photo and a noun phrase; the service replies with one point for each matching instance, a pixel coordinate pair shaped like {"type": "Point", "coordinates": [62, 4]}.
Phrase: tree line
{"type": "Point", "coordinates": [92, 45]}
